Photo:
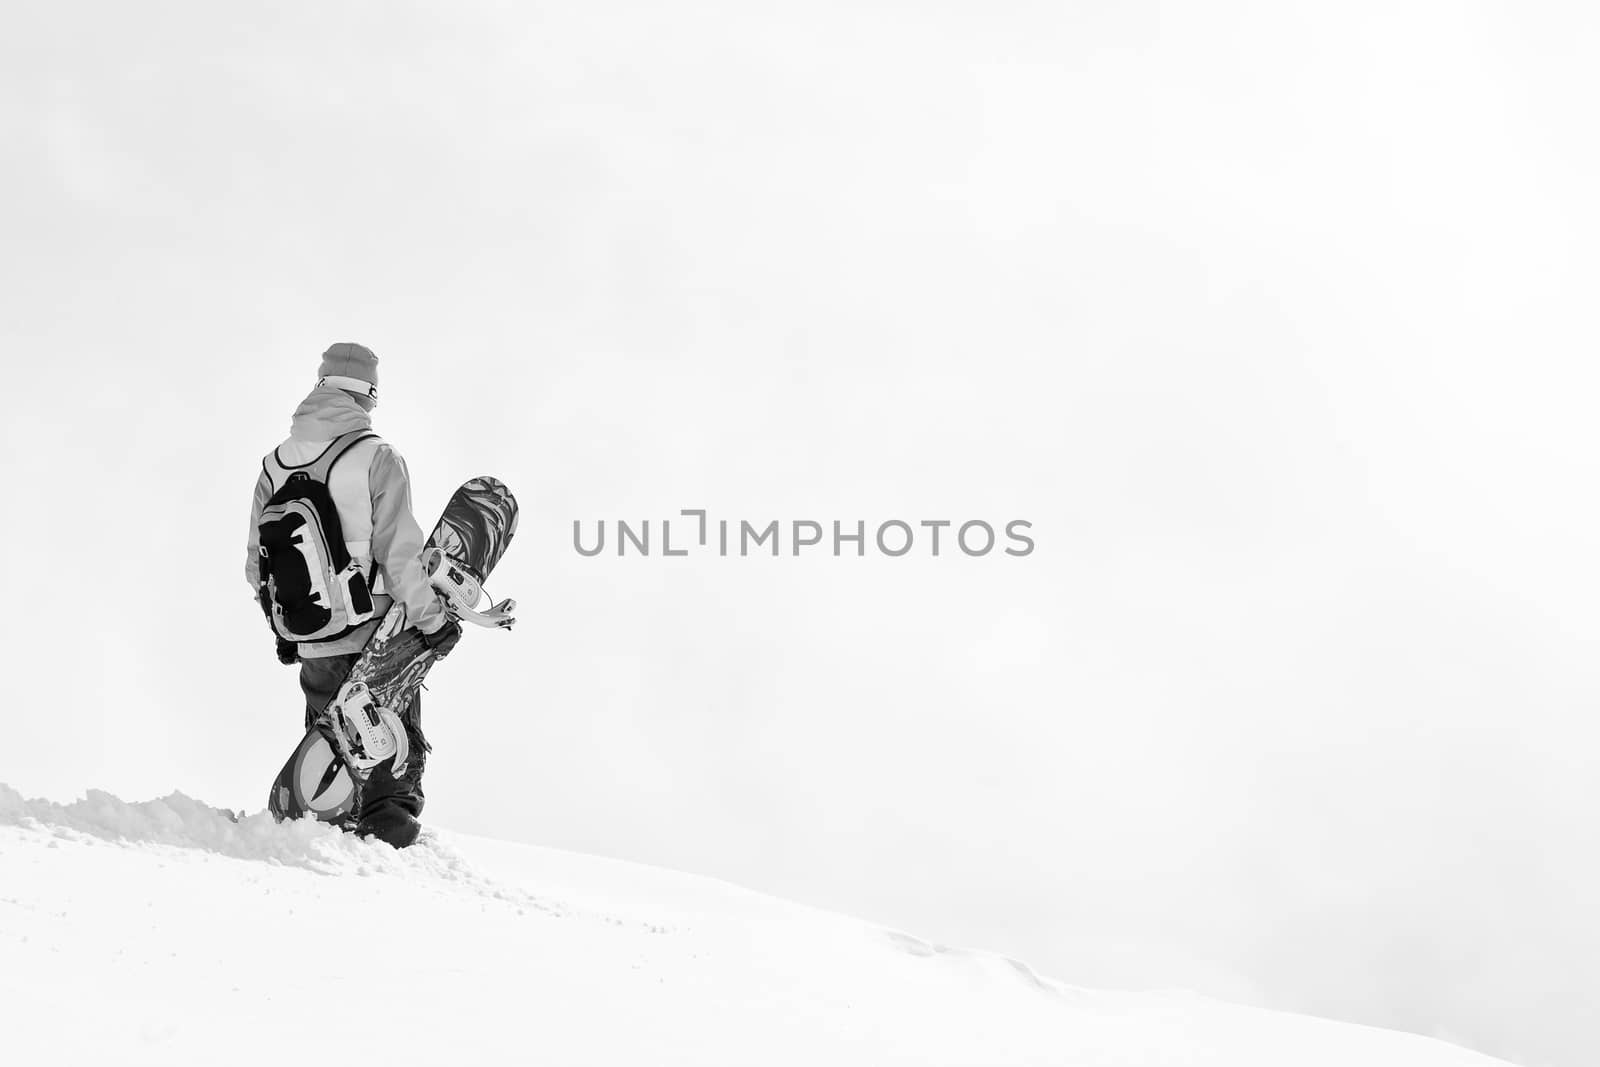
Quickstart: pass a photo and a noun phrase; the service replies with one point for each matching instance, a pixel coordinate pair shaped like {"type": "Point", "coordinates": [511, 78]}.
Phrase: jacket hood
{"type": "Point", "coordinates": [325, 413]}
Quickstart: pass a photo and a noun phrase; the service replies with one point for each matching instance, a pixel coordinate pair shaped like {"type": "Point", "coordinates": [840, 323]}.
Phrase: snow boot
{"type": "Point", "coordinates": [391, 824]}
{"type": "Point", "coordinates": [390, 805]}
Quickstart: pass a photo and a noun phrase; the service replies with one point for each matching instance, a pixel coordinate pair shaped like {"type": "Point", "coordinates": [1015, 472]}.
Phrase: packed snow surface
{"type": "Point", "coordinates": [165, 933]}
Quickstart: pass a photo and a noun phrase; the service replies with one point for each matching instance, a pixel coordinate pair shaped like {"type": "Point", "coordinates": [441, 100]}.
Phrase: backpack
{"type": "Point", "coordinates": [313, 588]}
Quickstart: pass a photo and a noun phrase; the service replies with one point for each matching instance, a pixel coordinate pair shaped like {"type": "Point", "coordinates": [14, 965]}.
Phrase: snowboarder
{"type": "Point", "coordinates": [332, 545]}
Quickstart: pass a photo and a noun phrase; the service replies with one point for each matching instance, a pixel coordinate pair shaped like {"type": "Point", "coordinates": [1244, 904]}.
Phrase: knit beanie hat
{"type": "Point", "coordinates": [348, 365]}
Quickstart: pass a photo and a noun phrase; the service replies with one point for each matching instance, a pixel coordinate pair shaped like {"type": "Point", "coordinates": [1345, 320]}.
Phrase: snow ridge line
{"type": "Point", "coordinates": [915, 946]}
{"type": "Point", "coordinates": [179, 821]}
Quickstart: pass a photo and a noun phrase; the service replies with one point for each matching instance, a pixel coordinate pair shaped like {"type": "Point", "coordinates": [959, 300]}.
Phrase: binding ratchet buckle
{"type": "Point", "coordinates": [462, 592]}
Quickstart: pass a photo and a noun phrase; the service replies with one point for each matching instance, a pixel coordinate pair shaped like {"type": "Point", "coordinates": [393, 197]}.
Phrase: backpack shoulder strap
{"type": "Point", "coordinates": [322, 469]}
{"type": "Point", "coordinates": [276, 471]}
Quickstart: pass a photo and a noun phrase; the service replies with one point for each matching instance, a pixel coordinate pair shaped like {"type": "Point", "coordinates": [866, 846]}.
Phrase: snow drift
{"type": "Point", "coordinates": [164, 932]}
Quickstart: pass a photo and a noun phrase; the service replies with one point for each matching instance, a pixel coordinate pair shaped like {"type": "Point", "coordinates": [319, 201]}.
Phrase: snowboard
{"type": "Point", "coordinates": [324, 774]}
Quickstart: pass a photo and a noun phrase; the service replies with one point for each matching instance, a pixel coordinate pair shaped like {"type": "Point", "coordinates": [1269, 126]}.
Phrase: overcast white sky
{"type": "Point", "coordinates": [1276, 320]}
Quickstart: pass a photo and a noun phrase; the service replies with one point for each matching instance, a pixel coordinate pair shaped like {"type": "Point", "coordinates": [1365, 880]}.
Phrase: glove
{"type": "Point", "coordinates": [444, 638]}
{"type": "Point", "coordinates": [288, 651]}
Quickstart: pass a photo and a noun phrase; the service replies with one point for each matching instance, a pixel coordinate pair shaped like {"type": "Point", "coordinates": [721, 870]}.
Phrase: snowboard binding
{"type": "Point", "coordinates": [462, 592]}
{"type": "Point", "coordinates": [365, 732]}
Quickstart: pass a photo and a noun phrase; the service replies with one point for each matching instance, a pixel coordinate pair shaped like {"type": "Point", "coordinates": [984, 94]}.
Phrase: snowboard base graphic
{"type": "Point", "coordinates": [324, 774]}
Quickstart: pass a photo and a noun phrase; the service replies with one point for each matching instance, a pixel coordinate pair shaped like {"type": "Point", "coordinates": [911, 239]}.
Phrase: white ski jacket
{"type": "Point", "coordinates": [372, 490]}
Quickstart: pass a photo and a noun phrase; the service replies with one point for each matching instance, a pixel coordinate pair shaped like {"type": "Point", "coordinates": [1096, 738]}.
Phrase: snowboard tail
{"type": "Point", "coordinates": [324, 775]}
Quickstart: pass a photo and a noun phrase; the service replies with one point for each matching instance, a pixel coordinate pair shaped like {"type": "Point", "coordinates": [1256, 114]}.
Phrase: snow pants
{"type": "Point", "coordinates": [389, 805]}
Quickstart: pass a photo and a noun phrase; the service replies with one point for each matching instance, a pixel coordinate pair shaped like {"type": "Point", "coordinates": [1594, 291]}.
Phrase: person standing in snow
{"type": "Point", "coordinates": [354, 550]}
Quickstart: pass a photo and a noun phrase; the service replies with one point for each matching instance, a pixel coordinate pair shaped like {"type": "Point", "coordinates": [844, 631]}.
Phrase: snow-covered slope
{"type": "Point", "coordinates": [164, 933]}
